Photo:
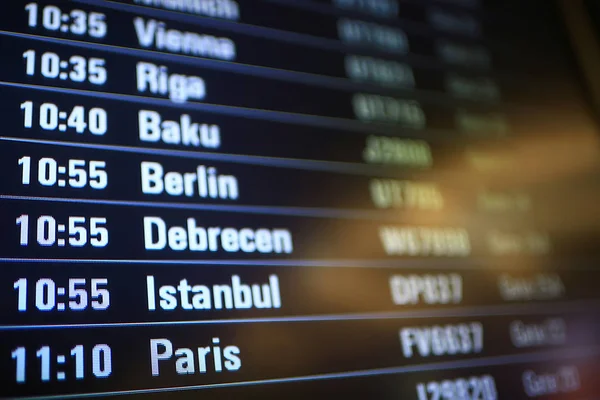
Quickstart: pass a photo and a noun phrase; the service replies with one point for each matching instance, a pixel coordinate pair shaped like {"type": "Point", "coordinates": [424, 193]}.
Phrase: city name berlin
{"type": "Point", "coordinates": [203, 182]}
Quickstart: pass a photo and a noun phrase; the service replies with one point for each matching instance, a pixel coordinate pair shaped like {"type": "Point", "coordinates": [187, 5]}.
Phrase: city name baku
{"type": "Point", "coordinates": [198, 238]}
{"type": "Point", "coordinates": [238, 295]}
{"type": "Point", "coordinates": [153, 128]}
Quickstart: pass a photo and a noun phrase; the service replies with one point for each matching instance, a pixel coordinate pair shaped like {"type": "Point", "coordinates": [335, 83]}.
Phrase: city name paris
{"type": "Point", "coordinates": [212, 358]}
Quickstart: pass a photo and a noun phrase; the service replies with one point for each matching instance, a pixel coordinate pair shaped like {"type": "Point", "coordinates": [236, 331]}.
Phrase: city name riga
{"type": "Point", "coordinates": [157, 236]}
{"type": "Point", "coordinates": [157, 80]}
{"type": "Point", "coordinates": [155, 34]}
{"type": "Point", "coordinates": [236, 295]}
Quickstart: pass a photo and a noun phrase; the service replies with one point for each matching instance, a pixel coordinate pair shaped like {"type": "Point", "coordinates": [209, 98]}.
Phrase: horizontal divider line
{"type": "Point", "coordinates": [430, 63]}
{"type": "Point", "coordinates": [290, 36]}
{"type": "Point", "coordinates": [330, 9]}
{"type": "Point", "coordinates": [292, 163]}
{"type": "Point", "coordinates": [582, 306]}
{"type": "Point", "coordinates": [409, 26]}
{"type": "Point", "coordinates": [268, 210]}
{"type": "Point", "coordinates": [537, 357]}
{"type": "Point", "coordinates": [279, 116]}
{"type": "Point", "coordinates": [224, 24]}
{"type": "Point", "coordinates": [477, 10]}
{"type": "Point", "coordinates": [474, 264]}
{"type": "Point", "coordinates": [439, 98]}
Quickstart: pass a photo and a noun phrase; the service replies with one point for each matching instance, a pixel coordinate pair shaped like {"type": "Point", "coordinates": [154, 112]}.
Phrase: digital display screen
{"type": "Point", "coordinates": [293, 199]}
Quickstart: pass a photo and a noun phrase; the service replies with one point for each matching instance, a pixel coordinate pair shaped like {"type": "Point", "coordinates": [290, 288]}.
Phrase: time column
{"type": "Point", "coordinates": [46, 362]}
{"type": "Point", "coordinates": [77, 22]}
{"type": "Point", "coordinates": [68, 66]}
{"type": "Point", "coordinates": [53, 117]}
{"type": "Point", "coordinates": [74, 24]}
{"type": "Point", "coordinates": [51, 362]}
{"type": "Point", "coordinates": [50, 65]}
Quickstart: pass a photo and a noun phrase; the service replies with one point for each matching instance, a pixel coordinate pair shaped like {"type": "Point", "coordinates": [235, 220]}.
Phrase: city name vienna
{"type": "Point", "coordinates": [155, 34]}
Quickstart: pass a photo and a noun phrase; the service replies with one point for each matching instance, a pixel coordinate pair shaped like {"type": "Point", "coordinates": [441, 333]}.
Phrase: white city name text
{"type": "Point", "coordinates": [155, 34]}
{"type": "Point", "coordinates": [442, 340]}
{"type": "Point", "coordinates": [226, 9]}
{"type": "Point", "coordinates": [430, 289]}
{"type": "Point", "coordinates": [157, 80]}
{"type": "Point", "coordinates": [198, 238]}
{"type": "Point", "coordinates": [152, 128]}
{"type": "Point", "coordinates": [237, 295]}
{"type": "Point", "coordinates": [209, 359]}
{"type": "Point", "coordinates": [203, 182]}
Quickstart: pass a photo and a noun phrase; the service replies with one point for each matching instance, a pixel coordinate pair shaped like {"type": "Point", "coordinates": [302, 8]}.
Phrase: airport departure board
{"type": "Point", "coordinates": [295, 199]}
